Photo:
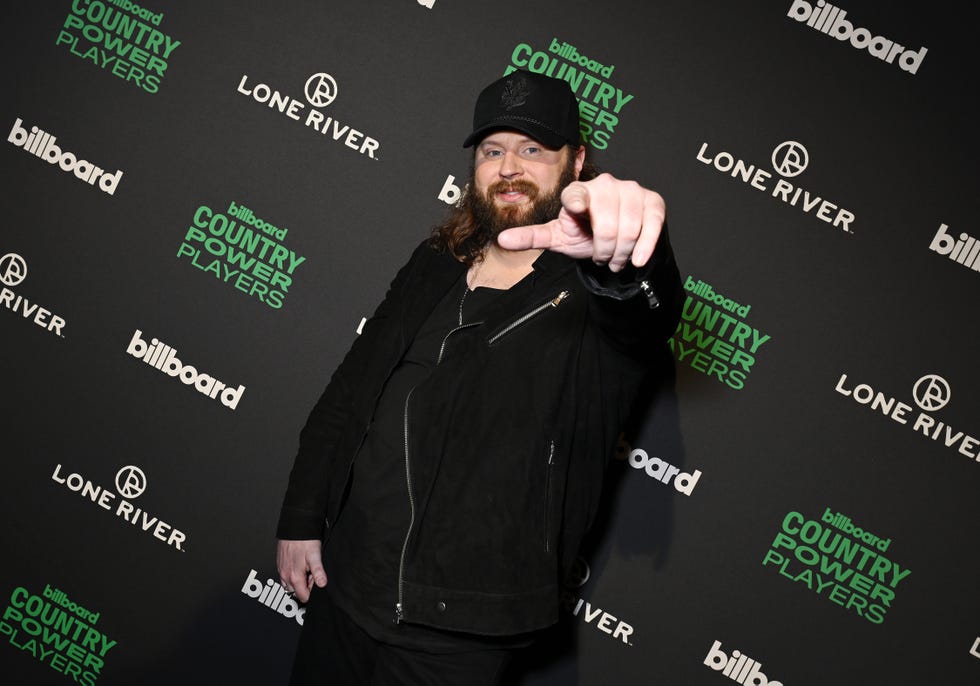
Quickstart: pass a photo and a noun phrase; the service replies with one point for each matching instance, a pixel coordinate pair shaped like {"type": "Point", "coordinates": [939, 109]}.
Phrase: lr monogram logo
{"type": "Point", "coordinates": [931, 392]}
{"type": "Point", "coordinates": [790, 159]}
{"type": "Point", "coordinates": [130, 482]}
{"type": "Point", "coordinates": [13, 269]}
{"type": "Point", "coordinates": [321, 89]}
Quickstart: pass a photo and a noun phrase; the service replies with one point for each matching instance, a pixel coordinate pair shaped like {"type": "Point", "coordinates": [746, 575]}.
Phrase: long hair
{"type": "Point", "coordinates": [463, 236]}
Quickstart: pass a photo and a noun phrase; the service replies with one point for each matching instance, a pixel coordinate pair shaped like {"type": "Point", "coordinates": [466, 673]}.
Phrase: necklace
{"type": "Point", "coordinates": [469, 277]}
{"type": "Point", "coordinates": [473, 273]}
{"type": "Point", "coordinates": [466, 291]}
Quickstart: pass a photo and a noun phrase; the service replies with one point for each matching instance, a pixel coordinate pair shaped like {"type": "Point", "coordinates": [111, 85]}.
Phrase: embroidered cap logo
{"type": "Point", "coordinates": [515, 93]}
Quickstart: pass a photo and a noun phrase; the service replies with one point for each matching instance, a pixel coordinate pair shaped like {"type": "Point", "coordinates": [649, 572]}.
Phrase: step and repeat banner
{"type": "Point", "coordinates": [202, 201]}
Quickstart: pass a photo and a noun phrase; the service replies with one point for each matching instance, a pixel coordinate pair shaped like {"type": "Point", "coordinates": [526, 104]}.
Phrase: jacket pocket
{"type": "Point", "coordinates": [549, 470]}
{"type": "Point", "coordinates": [526, 317]}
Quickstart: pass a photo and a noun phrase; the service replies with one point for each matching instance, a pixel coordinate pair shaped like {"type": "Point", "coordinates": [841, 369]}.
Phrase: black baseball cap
{"type": "Point", "coordinates": [540, 106]}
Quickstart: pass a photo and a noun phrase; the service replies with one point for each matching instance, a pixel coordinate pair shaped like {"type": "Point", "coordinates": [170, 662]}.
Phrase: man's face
{"type": "Point", "coordinates": [518, 181]}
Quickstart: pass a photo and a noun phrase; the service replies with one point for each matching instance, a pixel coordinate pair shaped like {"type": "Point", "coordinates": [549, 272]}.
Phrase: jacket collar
{"type": "Point", "coordinates": [433, 277]}
{"type": "Point", "coordinates": [550, 261]}
{"type": "Point", "coordinates": [440, 271]}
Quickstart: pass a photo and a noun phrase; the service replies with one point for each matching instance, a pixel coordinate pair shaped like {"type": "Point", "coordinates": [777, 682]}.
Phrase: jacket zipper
{"type": "Point", "coordinates": [554, 302]}
{"type": "Point", "coordinates": [399, 605]}
{"type": "Point", "coordinates": [399, 611]}
{"type": "Point", "coordinates": [547, 497]}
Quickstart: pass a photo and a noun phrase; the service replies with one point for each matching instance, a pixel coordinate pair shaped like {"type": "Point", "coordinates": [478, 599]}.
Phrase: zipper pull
{"type": "Point", "coordinates": [399, 613]}
{"type": "Point", "coordinates": [561, 296]}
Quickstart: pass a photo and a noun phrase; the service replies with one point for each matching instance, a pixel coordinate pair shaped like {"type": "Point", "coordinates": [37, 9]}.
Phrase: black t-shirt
{"type": "Point", "coordinates": [364, 549]}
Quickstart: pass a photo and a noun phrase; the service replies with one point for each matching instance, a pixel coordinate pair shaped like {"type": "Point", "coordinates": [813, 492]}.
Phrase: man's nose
{"type": "Point", "coordinates": [511, 165]}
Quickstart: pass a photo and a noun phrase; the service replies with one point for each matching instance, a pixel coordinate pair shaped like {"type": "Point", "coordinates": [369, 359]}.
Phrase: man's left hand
{"type": "Point", "coordinates": [608, 220]}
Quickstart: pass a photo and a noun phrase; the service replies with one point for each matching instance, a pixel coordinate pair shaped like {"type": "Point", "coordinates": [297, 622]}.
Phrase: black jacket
{"type": "Point", "coordinates": [506, 442]}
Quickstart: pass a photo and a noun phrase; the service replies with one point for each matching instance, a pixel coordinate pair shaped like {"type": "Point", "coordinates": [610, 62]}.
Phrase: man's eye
{"type": "Point", "coordinates": [532, 150]}
{"type": "Point", "coordinates": [491, 153]}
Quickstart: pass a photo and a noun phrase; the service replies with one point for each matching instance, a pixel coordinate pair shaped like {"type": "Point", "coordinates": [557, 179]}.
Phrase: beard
{"type": "Point", "coordinates": [541, 206]}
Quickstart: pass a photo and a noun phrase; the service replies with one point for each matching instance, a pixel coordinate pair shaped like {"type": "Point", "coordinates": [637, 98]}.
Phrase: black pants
{"type": "Point", "coordinates": [333, 651]}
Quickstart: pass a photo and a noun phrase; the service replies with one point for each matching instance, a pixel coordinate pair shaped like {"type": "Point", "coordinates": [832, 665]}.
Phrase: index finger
{"type": "Point", "coordinates": [524, 237]}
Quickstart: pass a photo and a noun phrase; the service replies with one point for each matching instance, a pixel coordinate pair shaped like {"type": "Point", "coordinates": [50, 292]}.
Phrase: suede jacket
{"type": "Point", "coordinates": [507, 440]}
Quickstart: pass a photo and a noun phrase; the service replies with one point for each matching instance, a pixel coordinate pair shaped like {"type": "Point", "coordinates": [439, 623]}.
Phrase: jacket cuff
{"type": "Point", "coordinates": [630, 281]}
{"type": "Point", "coordinates": [299, 525]}
{"type": "Point", "coordinates": [622, 285]}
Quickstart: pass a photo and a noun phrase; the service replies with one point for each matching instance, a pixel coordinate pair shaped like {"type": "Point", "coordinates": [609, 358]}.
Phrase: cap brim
{"type": "Point", "coordinates": [547, 138]}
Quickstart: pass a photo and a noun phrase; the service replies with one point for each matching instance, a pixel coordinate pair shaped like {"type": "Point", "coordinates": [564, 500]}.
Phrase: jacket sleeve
{"type": "Point", "coordinates": [637, 308]}
{"type": "Point", "coordinates": [318, 462]}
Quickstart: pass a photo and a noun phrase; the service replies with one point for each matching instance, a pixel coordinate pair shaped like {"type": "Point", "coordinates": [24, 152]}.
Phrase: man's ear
{"type": "Point", "coordinates": [579, 160]}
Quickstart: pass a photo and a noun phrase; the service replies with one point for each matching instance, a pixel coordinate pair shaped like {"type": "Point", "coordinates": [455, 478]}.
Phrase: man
{"type": "Point", "coordinates": [455, 459]}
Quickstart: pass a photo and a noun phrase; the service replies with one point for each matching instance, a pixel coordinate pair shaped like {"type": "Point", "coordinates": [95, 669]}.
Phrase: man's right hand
{"type": "Point", "coordinates": [300, 566]}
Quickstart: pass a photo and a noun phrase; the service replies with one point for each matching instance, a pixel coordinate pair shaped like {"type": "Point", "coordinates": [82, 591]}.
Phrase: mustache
{"type": "Point", "coordinates": [528, 188]}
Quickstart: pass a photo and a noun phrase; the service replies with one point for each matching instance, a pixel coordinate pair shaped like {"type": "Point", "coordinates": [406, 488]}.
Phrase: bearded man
{"type": "Point", "coordinates": [456, 457]}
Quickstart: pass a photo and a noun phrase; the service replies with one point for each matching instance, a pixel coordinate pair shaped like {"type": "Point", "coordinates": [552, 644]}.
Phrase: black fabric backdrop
{"type": "Point", "coordinates": [676, 582]}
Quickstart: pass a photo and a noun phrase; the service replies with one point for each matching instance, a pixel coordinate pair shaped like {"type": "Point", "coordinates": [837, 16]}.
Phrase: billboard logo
{"type": "Point", "coordinates": [123, 40]}
{"type": "Point", "coordinates": [663, 472]}
{"type": "Point", "coordinates": [739, 667]}
{"type": "Point", "coordinates": [42, 144]}
{"type": "Point", "coordinates": [163, 358]}
{"type": "Point", "coordinates": [243, 251]}
{"type": "Point", "coordinates": [831, 20]}
{"type": "Point", "coordinates": [714, 336]}
{"type": "Point", "coordinates": [451, 194]}
{"type": "Point", "coordinates": [838, 561]}
{"type": "Point", "coordinates": [965, 251]}
{"type": "Point", "coordinates": [274, 596]}
{"type": "Point", "coordinates": [56, 631]}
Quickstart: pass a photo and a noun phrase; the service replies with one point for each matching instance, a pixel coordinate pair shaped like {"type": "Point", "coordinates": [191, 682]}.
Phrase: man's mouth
{"type": "Point", "coordinates": [512, 196]}
{"type": "Point", "coordinates": [515, 193]}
